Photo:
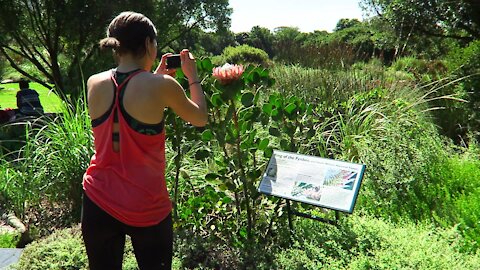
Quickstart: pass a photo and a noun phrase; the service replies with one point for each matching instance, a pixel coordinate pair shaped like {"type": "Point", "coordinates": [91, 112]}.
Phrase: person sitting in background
{"type": "Point", "coordinates": [28, 102]}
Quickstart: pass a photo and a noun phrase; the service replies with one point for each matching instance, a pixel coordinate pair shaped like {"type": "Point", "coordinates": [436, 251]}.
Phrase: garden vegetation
{"type": "Point", "coordinates": [409, 112]}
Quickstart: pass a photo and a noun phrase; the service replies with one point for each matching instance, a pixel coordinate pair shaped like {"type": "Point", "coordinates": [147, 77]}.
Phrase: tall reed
{"type": "Point", "coordinates": [47, 171]}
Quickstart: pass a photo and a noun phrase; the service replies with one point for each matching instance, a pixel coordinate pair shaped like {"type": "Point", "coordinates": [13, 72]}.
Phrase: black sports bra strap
{"type": "Point", "coordinates": [119, 87]}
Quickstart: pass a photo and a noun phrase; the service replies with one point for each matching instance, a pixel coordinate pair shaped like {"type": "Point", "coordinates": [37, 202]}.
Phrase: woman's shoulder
{"type": "Point", "coordinates": [158, 82]}
{"type": "Point", "coordinates": [99, 77]}
{"type": "Point", "coordinates": [99, 81]}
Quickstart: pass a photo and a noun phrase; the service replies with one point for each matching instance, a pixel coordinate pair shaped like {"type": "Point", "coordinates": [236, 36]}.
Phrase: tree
{"type": "Point", "coordinates": [346, 23]}
{"type": "Point", "coordinates": [438, 18]}
{"type": "Point", "coordinates": [60, 37]}
{"type": "Point", "coordinates": [175, 18]}
{"type": "Point", "coordinates": [262, 38]}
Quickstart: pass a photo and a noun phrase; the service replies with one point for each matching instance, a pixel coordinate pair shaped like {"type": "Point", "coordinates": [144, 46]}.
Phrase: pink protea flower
{"type": "Point", "coordinates": [228, 73]}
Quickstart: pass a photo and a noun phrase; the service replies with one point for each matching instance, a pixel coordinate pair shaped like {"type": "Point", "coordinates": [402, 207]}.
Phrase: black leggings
{"type": "Point", "coordinates": [104, 238]}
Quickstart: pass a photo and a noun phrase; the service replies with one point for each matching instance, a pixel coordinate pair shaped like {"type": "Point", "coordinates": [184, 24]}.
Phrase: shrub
{"type": "Point", "coordinates": [364, 242]}
{"type": "Point", "coordinates": [399, 158]}
{"type": "Point", "coordinates": [8, 239]}
{"type": "Point", "coordinates": [464, 63]}
{"type": "Point", "coordinates": [245, 54]}
{"type": "Point", "coordinates": [423, 70]}
{"type": "Point", "coordinates": [210, 253]}
{"type": "Point", "coordinates": [453, 195]}
{"type": "Point", "coordinates": [64, 249]}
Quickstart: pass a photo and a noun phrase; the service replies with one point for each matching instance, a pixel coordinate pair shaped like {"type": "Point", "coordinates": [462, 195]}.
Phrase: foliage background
{"type": "Point", "coordinates": [402, 102]}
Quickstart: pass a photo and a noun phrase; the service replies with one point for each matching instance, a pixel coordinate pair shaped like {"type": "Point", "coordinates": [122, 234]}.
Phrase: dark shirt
{"type": "Point", "coordinates": [28, 102]}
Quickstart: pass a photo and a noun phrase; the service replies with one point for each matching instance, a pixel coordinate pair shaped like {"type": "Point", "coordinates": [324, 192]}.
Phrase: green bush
{"type": "Point", "coordinates": [245, 54]}
{"type": "Point", "coordinates": [8, 239]}
{"type": "Point", "coordinates": [399, 157]}
{"type": "Point", "coordinates": [364, 242]}
{"type": "Point", "coordinates": [464, 63]}
{"type": "Point", "coordinates": [423, 70]}
{"type": "Point", "coordinates": [64, 249]}
{"type": "Point", "coordinates": [453, 193]}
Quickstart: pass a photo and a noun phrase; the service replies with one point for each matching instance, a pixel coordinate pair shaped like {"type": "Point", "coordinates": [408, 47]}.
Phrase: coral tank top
{"type": "Point", "coordinates": [128, 184]}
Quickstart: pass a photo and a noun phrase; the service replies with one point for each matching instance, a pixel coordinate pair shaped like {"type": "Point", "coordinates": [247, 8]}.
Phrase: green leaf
{"type": "Point", "coordinates": [264, 73]}
{"type": "Point", "coordinates": [202, 154]}
{"type": "Point", "coordinates": [243, 232]}
{"type": "Point", "coordinates": [227, 200]}
{"type": "Point", "coordinates": [267, 108]}
{"type": "Point", "coordinates": [247, 99]}
{"type": "Point", "coordinates": [290, 108]}
{"type": "Point", "coordinates": [268, 152]}
{"type": "Point", "coordinates": [216, 100]}
{"type": "Point", "coordinates": [247, 116]}
{"type": "Point", "coordinates": [274, 113]}
{"type": "Point", "coordinates": [309, 109]}
{"type": "Point", "coordinates": [254, 77]}
{"type": "Point", "coordinates": [289, 129]}
{"type": "Point", "coordinates": [228, 93]}
{"type": "Point", "coordinates": [179, 75]}
{"type": "Point", "coordinates": [207, 65]}
{"type": "Point", "coordinates": [263, 144]}
{"type": "Point", "coordinates": [207, 135]}
{"type": "Point", "coordinates": [278, 102]}
{"type": "Point", "coordinates": [255, 100]}
{"type": "Point", "coordinates": [244, 127]}
{"type": "Point", "coordinates": [244, 145]}
{"type": "Point", "coordinates": [284, 144]}
{"type": "Point", "coordinates": [272, 98]}
{"type": "Point", "coordinates": [211, 177]}
{"type": "Point", "coordinates": [230, 138]}
{"type": "Point", "coordinates": [271, 82]}
{"type": "Point", "coordinates": [274, 132]}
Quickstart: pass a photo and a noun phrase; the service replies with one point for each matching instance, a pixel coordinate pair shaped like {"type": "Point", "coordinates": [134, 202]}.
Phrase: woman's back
{"type": "Point", "coordinates": [142, 96]}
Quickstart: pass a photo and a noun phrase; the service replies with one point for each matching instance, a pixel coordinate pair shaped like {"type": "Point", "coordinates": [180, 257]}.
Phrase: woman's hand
{"type": "Point", "coordinates": [162, 67]}
{"type": "Point", "coordinates": [189, 67]}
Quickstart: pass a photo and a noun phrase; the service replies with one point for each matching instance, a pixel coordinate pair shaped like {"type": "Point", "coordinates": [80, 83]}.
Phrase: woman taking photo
{"type": "Point", "coordinates": [124, 187]}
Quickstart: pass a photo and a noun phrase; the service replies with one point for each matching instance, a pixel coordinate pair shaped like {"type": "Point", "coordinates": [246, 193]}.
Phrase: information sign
{"type": "Point", "coordinates": [313, 180]}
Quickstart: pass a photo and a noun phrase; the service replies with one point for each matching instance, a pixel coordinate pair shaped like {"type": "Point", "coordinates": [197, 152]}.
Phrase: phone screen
{"type": "Point", "coordinates": [173, 61]}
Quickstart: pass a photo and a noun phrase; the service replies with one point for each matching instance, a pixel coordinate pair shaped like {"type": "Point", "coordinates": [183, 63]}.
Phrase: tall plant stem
{"type": "Point", "coordinates": [178, 166]}
{"type": "Point", "coordinates": [225, 152]}
{"type": "Point", "coordinates": [243, 177]}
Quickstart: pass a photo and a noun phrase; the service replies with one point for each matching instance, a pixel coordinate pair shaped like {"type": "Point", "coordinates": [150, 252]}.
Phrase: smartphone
{"type": "Point", "coordinates": [173, 61]}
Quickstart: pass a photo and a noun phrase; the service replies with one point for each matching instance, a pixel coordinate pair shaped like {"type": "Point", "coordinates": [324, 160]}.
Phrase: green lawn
{"type": "Point", "coordinates": [50, 101]}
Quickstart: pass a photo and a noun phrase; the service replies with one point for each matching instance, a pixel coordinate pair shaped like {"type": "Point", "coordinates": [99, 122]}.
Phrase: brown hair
{"type": "Point", "coordinates": [127, 33]}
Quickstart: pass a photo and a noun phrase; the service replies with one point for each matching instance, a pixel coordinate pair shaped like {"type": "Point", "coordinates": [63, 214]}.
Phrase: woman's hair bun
{"type": "Point", "coordinates": [109, 42]}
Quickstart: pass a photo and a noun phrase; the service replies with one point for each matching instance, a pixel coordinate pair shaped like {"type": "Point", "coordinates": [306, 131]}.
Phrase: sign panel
{"type": "Point", "coordinates": [313, 180]}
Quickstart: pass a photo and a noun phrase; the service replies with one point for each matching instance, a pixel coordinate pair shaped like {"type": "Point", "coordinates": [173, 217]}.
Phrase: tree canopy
{"type": "Point", "coordinates": [60, 37]}
{"type": "Point", "coordinates": [439, 18]}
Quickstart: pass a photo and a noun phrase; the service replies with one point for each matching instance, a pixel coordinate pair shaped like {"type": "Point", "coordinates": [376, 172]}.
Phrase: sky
{"type": "Point", "coordinates": [307, 15]}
